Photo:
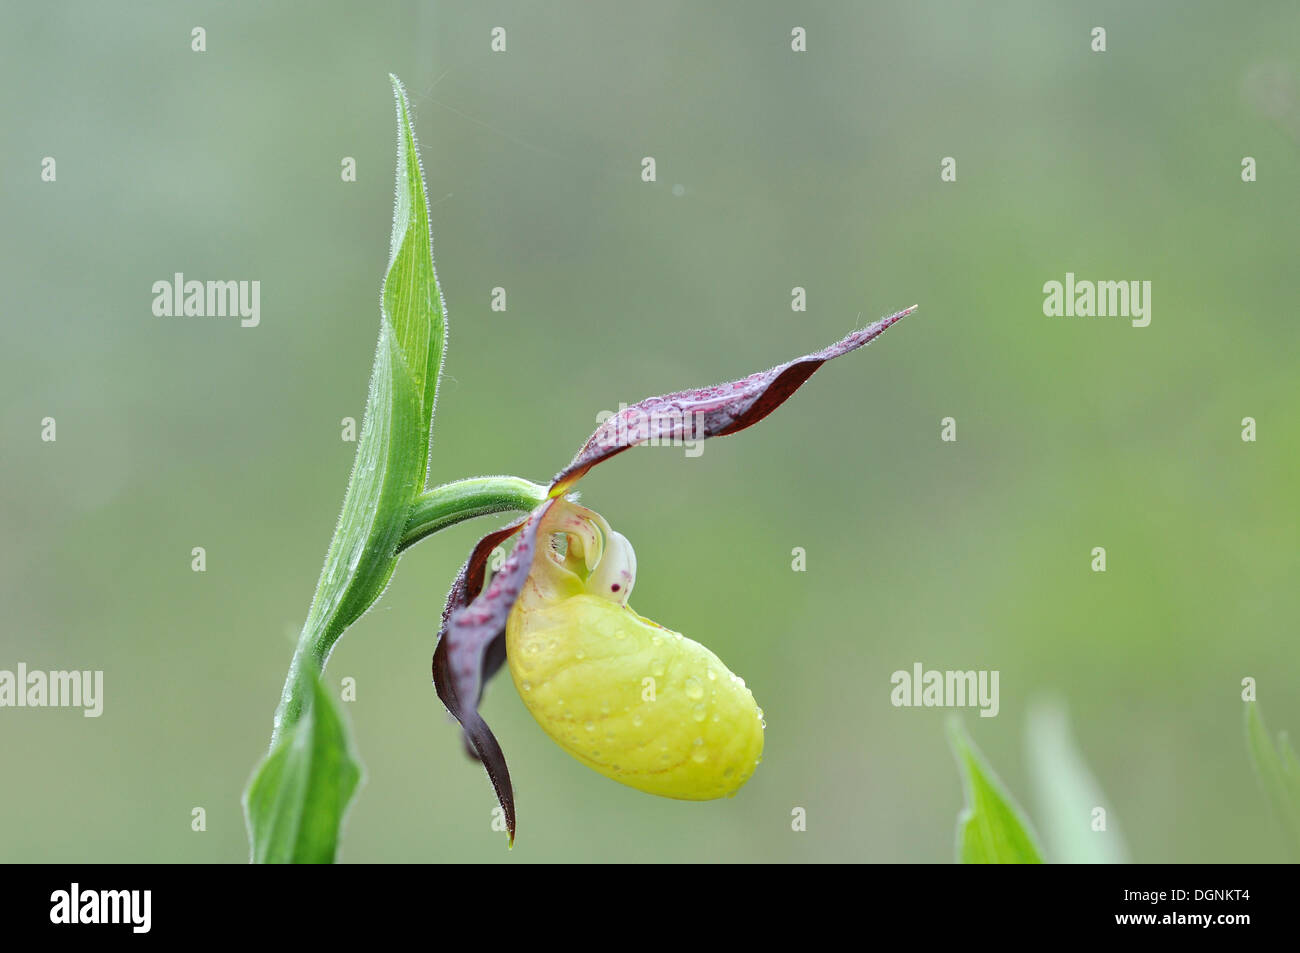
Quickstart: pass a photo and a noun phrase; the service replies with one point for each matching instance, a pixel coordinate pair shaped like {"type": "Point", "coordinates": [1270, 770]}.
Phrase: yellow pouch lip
{"type": "Point", "coordinates": [626, 696]}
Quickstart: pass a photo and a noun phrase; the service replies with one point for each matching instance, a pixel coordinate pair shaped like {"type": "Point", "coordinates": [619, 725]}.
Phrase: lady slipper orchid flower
{"type": "Point", "coordinates": [635, 701]}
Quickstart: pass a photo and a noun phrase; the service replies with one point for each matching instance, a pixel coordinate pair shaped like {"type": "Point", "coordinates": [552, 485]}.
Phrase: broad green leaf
{"type": "Point", "coordinates": [393, 451]}
{"type": "Point", "coordinates": [1278, 771]}
{"type": "Point", "coordinates": [1067, 794]}
{"type": "Point", "coordinates": [991, 829]}
{"type": "Point", "coordinates": [296, 800]}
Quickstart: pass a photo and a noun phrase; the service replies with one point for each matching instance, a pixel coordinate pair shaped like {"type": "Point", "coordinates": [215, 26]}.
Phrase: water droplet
{"type": "Point", "coordinates": [713, 676]}
{"type": "Point", "coordinates": [657, 668]}
{"type": "Point", "coordinates": [636, 721]}
{"type": "Point", "coordinates": [699, 756]}
{"type": "Point", "coordinates": [590, 726]}
{"type": "Point", "coordinates": [699, 713]}
{"type": "Point", "coordinates": [526, 686]}
{"type": "Point", "coordinates": [580, 655]}
{"type": "Point", "coordinates": [694, 690]}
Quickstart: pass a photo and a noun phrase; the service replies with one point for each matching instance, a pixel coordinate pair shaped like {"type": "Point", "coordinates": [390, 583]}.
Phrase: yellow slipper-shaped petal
{"type": "Point", "coordinates": [639, 703]}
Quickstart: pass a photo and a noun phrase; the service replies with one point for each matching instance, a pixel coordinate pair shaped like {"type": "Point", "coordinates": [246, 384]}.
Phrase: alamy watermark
{"type": "Point", "coordinates": [1099, 299]}
{"type": "Point", "coordinates": [920, 688]}
{"type": "Point", "coordinates": [179, 298]}
{"type": "Point", "coordinates": [58, 689]}
{"type": "Point", "coordinates": [661, 426]}
{"type": "Point", "coordinates": [131, 908]}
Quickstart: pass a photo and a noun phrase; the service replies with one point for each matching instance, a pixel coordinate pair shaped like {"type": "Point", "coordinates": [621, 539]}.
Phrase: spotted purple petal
{"type": "Point", "coordinates": [470, 629]}
{"type": "Point", "coordinates": [710, 411]}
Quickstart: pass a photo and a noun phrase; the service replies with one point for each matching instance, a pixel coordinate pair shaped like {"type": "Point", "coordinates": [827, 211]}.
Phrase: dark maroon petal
{"type": "Point", "coordinates": [710, 411]}
{"type": "Point", "coordinates": [469, 581]}
{"type": "Point", "coordinates": [473, 621]}
{"type": "Point", "coordinates": [462, 655]}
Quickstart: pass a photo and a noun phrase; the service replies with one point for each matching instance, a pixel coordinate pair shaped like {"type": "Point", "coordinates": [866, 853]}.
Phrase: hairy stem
{"type": "Point", "coordinates": [451, 503]}
{"type": "Point", "coordinates": [431, 511]}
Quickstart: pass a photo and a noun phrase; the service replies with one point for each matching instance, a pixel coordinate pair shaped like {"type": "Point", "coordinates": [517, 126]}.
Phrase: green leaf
{"type": "Point", "coordinates": [1277, 769]}
{"type": "Point", "coordinates": [1066, 793]}
{"type": "Point", "coordinates": [393, 451]}
{"type": "Point", "coordinates": [297, 798]}
{"type": "Point", "coordinates": [299, 794]}
{"type": "Point", "coordinates": [991, 829]}
{"type": "Point", "coordinates": [412, 302]}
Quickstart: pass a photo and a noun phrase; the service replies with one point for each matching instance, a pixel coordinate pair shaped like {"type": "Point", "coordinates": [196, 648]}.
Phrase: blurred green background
{"type": "Point", "coordinates": [818, 170]}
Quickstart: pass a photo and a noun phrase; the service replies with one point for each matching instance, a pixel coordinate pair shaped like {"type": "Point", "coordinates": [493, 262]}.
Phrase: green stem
{"type": "Point", "coordinates": [431, 511]}
{"type": "Point", "coordinates": [451, 503]}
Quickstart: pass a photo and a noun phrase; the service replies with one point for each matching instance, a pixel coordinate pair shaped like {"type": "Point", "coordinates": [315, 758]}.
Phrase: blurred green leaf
{"type": "Point", "coordinates": [296, 800]}
{"type": "Point", "coordinates": [991, 829]}
{"type": "Point", "coordinates": [1067, 794]}
{"type": "Point", "coordinates": [1278, 771]}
